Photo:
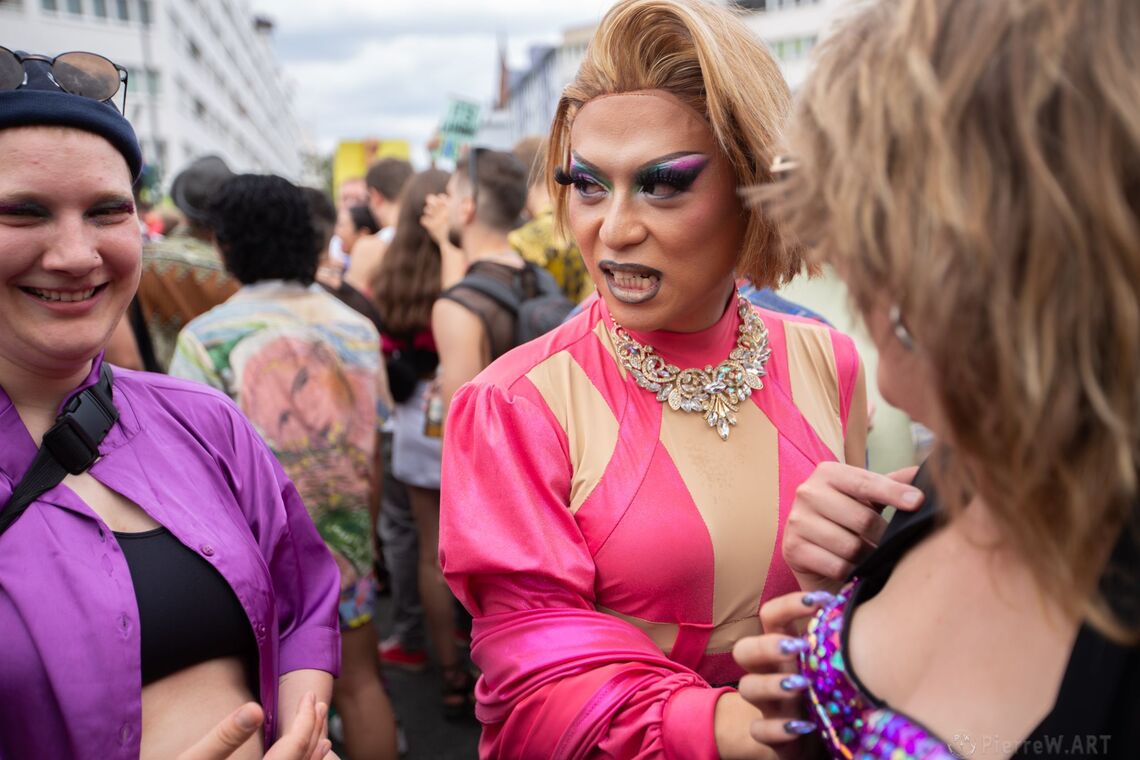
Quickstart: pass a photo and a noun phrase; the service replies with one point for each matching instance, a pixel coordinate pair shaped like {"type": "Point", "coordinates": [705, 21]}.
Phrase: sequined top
{"type": "Point", "coordinates": [1099, 697]}
{"type": "Point", "coordinates": [850, 724]}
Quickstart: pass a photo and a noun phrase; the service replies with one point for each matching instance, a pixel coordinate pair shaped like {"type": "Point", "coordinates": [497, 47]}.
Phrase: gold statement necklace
{"type": "Point", "coordinates": [711, 392]}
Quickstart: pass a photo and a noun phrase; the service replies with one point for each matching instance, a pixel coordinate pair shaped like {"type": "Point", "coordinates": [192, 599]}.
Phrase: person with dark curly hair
{"type": "Point", "coordinates": [305, 369]}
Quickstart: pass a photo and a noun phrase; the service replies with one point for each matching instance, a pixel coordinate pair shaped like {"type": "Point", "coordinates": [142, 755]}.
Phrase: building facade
{"type": "Point", "coordinates": [534, 93]}
{"type": "Point", "coordinates": [791, 28]}
{"type": "Point", "coordinates": [203, 77]}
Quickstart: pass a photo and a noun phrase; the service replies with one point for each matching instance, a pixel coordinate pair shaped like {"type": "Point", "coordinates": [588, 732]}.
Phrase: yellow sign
{"type": "Point", "coordinates": [353, 157]}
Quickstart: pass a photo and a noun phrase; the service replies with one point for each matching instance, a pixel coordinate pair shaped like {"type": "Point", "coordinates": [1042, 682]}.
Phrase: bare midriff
{"type": "Point", "coordinates": [183, 707]}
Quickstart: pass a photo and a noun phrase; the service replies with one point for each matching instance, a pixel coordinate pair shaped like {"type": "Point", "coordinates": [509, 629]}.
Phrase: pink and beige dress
{"type": "Point", "coordinates": [610, 549]}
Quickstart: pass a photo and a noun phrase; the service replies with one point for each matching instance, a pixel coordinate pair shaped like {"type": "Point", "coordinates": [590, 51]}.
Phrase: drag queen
{"type": "Point", "coordinates": [614, 492]}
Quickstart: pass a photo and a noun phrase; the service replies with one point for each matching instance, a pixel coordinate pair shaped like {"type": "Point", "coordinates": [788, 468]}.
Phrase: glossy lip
{"type": "Point", "coordinates": [67, 308]}
{"type": "Point", "coordinates": [630, 296]}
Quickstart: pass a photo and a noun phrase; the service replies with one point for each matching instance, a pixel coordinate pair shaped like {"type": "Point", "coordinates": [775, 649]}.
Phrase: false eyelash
{"type": "Point", "coordinates": [679, 179]}
{"type": "Point", "coordinates": [561, 177]}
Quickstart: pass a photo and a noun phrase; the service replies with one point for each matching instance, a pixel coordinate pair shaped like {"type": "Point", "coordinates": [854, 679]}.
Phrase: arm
{"type": "Point", "coordinates": [453, 262]}
{"type": "Point", "coordinates": [363, 262]}
{"type": "Point", "coordinates": [559, 678]}
{"type": "Point", "coordinates": [460, 341]}
{"type": "Point", "coordinates": [292, 688]}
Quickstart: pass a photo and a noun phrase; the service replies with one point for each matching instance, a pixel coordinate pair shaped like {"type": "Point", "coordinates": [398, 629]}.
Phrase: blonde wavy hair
{"type": "Point", "coordinates": [977, 163]}
{"type": "Point", "coordinates": [706, 57]}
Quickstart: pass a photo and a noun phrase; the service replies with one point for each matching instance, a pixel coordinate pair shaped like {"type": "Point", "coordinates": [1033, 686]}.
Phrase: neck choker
{"type": "Point", "coordinates": [711, 392]}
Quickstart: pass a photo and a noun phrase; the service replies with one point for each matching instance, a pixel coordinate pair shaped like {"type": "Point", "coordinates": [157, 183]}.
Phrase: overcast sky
{"type": "Point", "coordinates": [385, 68]}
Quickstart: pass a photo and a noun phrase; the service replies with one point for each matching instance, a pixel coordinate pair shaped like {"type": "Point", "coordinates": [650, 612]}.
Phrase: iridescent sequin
{"type": "Point", "coordinates": [851, 727]}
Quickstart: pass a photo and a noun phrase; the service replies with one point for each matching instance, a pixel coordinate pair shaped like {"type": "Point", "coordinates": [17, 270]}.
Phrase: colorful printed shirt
{"type": "Point", "coordinates": [70, 658]}
{"type": "Point", "coordinates": [610, 549]}
{"type": "Point", "coordinates": [537, 241]}
{"type": "Point", "coordinates": [304, 368]}
{"type": "Point", "coordinates": [182, 277]}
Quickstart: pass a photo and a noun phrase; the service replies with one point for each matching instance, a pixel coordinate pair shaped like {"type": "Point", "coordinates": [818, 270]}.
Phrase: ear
{"type": "Point", "coordinates": [467, 210]}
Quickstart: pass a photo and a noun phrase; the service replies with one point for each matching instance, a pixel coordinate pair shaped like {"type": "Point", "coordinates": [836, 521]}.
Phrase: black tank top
{"type": "Point", "coordinates": [1097, 712]}
{"type": "Point", "coordinates": [188, 614]}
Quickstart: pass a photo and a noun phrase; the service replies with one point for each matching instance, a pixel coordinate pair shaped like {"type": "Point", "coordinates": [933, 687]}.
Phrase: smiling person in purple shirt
{"type": "Point", "coordinates": [147, 602]}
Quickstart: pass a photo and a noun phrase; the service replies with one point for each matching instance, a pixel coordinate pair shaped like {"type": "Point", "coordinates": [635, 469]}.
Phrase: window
{"type": "Point", "coordinates": [144, 12]}
{"type": "Point", "coordinates": [13, 5]}
{"type": "Point", "coordinates": [753, 5]}
{"type": "Point", "coordinates": [49, 5]}
{"type": "Point", "coordinates": [122, 10]}
{"type": "Point", "coordinates": [144, 81]}
{"type": "Point", "coordinates": [100, 7]}
{"type": "Point", "coordinates": [75, 7]}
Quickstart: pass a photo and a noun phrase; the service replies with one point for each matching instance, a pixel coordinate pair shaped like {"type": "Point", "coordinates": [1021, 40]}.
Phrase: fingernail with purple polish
{"type": "Point", "coordinates": [793, 683]}
{"type": "Point", "coordinates": [817, 597]}
{"type": "Point", "coordinates": [799, 727]}
{"type": "Point", "coordinates": [793, 646]}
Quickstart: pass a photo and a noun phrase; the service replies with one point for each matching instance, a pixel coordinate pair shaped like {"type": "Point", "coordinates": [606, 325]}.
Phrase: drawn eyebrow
{"type": "Point", "coordinates": [580, 164]}
{"type": "Point", "coordinates": [675, 161]}
{"type": "Point", "coordinates": [584, 164]}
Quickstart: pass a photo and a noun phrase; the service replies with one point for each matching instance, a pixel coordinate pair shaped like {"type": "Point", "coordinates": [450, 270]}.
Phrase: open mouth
{"type": "Point", "coordinates": [64, 296]}
{"type": "Point", "coordinates": [631, 283]}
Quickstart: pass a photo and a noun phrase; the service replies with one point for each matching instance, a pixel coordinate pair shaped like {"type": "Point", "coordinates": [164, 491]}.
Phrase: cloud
{"type": "Point", "coordinates": [362, 68]}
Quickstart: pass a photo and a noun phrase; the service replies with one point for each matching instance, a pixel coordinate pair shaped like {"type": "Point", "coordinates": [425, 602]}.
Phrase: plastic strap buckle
{"type": "Point", "coordinates": [74, 439]}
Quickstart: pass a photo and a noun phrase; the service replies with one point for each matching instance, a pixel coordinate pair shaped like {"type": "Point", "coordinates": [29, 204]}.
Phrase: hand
{"type": "Point", "coordinates": [435, 220]}
{"type": "Point", "coordinates": [773, 684]}
{"type": "Point", "coordinates": [835, 520]}
{"type": "Point", "coordinates": [305, 740]}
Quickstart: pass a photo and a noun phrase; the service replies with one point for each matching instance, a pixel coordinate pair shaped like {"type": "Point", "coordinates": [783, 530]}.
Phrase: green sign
{"type": "Point", "coordinates": [459, 127]}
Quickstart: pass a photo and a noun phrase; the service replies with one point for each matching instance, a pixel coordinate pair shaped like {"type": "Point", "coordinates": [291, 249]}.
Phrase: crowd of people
{"type": "Point", "coordinates": [551, 403]}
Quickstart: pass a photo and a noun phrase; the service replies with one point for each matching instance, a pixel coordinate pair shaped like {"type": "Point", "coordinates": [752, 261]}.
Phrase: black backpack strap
{"type": "Point", "coordinates": [70, 446]}
{"type": "Point", "coordinates": [544, 282]}
{"type": "Point", "coordinates": [142, 336]}
{"type": "Point", "coordinates": [504, 295]}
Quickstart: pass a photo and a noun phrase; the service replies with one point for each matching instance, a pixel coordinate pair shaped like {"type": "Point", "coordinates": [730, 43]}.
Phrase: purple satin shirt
{"type": "Point", "coordinates": [70, 676]}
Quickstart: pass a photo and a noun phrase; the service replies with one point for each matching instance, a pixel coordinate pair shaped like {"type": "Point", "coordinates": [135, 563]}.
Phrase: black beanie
{"type": "Point", "coordinates": [42, 103]}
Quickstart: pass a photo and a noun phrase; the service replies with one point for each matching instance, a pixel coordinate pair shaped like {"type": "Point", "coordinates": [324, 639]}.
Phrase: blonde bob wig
{"type": "Point", "coordinates": [706, 57]}
{"type": "Point", "coordinates": [977, 164]}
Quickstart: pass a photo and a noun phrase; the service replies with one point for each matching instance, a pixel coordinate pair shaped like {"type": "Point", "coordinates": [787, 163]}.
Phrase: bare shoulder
{"type": "Point", "coordinates": [452, 320]}
{"type": "Point", "coordinates": [365, 258]}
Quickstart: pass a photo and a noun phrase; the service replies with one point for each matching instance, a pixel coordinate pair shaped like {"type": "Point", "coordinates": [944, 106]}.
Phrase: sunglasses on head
{"type": "Point", "coordinates": [88, 75]}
